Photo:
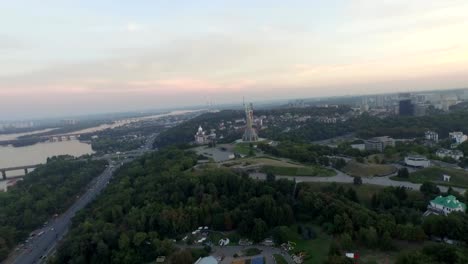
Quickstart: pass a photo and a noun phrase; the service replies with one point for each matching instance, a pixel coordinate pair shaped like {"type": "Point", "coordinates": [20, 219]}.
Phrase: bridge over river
{"type": "Point", "coordinates": [25, 168]}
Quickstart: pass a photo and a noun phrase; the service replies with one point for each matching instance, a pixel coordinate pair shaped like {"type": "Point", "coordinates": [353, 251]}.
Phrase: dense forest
{"type": "Point", "coordinates": [159, 198]}
{"type": "Point", "coordinates": [412, 126]}
{"type": "Point", "coordinates": [50, 189]}
{"type": "Point", "coordinates": [366, 126]}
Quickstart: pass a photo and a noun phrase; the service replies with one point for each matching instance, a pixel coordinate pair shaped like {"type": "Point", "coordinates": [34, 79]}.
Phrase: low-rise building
{"type": "Point", "coordinates": [431, 135]}
{"type": "Point", "coordinates": [446, 205]}
{"type": "Point", "coordinates": [450, 153]}
{"type": "Point", "coordinates": [417, 161]}
{"type": "Point", "coordinates": [458, 137]}
{"type": "Point", "coordinates": [207, 260]}
{"type": "Point", "coordinates": [358, 146]}
{"type": "Point", "coordinates": [379, 143]}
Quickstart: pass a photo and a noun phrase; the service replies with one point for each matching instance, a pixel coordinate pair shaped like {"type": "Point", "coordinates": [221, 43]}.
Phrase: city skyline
{"type": "Point", "coordinates": [85, 57]}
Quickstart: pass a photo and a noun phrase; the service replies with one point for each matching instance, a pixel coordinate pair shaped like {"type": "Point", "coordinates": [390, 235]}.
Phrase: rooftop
{"type": "Point", "coordinates": [207, 260]}
{"type": "Point", "coordinates": [449, 202]}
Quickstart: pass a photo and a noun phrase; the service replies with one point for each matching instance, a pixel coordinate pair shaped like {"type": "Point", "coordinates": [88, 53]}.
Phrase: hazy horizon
{"type": "Point", "coordinates": [69, 58]}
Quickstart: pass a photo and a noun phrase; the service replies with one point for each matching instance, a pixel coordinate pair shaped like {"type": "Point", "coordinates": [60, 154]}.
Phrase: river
{"type": "Point", "coordinates": [127, 121]}
{"type": "Point", "coordinates": [5, 137]}
{"type": "Point", "coordinates": [38, 153]}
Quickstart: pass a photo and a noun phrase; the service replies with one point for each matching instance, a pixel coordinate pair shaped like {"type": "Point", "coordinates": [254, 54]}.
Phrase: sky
{"type": "Point", "coordinates": [64, 57]}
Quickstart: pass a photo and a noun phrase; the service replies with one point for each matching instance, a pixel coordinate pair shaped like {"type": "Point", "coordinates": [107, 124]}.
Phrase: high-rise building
{"type": "Point", "coordinates": [420, 109]}
{"type": "Point", "coordinates": [250, 135]}
{"type": "Point", "coordinates": [406, 108]}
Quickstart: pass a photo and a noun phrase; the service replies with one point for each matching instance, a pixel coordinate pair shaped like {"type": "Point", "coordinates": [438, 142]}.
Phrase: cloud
{"type": "Point", "coordinates": [8, 43]}
{"type": "Point", "coordinates": [134, 27]}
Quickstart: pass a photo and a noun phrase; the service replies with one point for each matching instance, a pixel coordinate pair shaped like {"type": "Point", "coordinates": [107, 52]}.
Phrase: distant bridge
{"type": "Point", "coordinates": [59, 138]}
{"type": "Point", "coordinates": [25, 168]}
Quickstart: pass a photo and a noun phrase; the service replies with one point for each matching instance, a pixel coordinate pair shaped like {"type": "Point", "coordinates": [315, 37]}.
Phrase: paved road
{"type": "Point", "coordinates": [36, 250]}
{"type": "Point", "coordinates": [41, 246]}
{"type": "Point", "coordinates": [344, 178]}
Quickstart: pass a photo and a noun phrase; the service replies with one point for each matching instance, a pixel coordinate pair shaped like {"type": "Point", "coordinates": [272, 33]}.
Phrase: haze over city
{"type": "Point", "coordinates": [74, 57]}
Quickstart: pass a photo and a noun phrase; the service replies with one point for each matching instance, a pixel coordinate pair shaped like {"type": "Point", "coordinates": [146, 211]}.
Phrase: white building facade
{"type": "Point", "coordinates": [417, 161]}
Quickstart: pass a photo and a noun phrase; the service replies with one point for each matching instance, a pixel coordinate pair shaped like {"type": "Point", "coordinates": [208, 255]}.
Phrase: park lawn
{"type": "Point", "coordinates": [243, 148]}
{"type": "Point", "coordinates": [316, 250]}
{"type": "Point", "coordinates": [283, 167]}
{"type": "Point", "coordinates": [364, 191]}
{"type": "Point", "coordinates": [459, 178]}
{"type": "Point", "coordinates": [300, 171]}
{"type": "Point", "coordinates": [354, 168]}
{"type": "Point", "coordinates": [279, 259]}
{"type": "Point", "coordinates": [268, 161]}
{"type": "Point", "coordinates": [383, 257]}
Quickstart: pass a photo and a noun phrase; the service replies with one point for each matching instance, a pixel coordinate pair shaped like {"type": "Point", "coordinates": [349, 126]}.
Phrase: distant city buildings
{"type": "Point", "coordinates": [449, 153]}
{"type": "Point", "coordinates": [432, 136]}
{"type": "Point", "coordinates": [16, 125]}
{"type": "Point", "coordinates": [379, 143]}
{"type": "Point", "coordinates": [69, 122]}
{"type": "Point", "coordinates": [327, 120]}
{"type": "Point", "coordinates": [406, 108]}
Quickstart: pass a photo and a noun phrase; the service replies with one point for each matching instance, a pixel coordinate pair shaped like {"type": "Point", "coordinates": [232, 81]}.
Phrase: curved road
{"type": "Point", "coordinates": [344, 178]}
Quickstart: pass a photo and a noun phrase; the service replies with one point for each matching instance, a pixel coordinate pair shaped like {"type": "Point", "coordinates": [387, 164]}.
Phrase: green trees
{"type": "Point", "coordinates": [429, 189]}
{"type": "Point", "coordinates": [259, 231]}
{"type": "Point", "coordinates": [158, 198]}
{"type": "Point", "coordinates": [339, 163]}
{"type": "Point", "coordinates": [357, 180]}
{"type": "Point", "coordinates": [434, 253]}
{"type": "Point", "coordinates": [270, 176]}
{"type": "Point", "coordinates": [280, 235]}
{"type": "Point", "coordinates": [48, 190]}
{"type": "Point", "coordinates": [403, 173]}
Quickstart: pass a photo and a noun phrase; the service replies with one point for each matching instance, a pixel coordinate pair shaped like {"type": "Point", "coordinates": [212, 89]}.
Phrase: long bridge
{"type": "Point", "coordinates": [25, 168]}
{"type": "Point", "coordinates": [58, 138]}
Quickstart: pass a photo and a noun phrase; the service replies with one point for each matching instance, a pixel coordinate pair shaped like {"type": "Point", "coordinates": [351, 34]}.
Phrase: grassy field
{"type": "Point", "coordinates": [267, 161]}
{"type": "Point", "coordinates": [364, 192]}
{"type": "Point", "coordinates": [384, 257]}
{"type": "Point", "coordinates": [316, 250]}
{"type": "Point", "coordinates": [368, 169]}
{"type": "Point", "coordinates": [279, 259]}
{"type": "Point", "coordinates": [282, 167]}
{"type": "Point", "coordinates": [242, 148]}
{"type": "Point", "coordinates": [459, 178]}
{"type": "Point", "coordinates": [300, 171]}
